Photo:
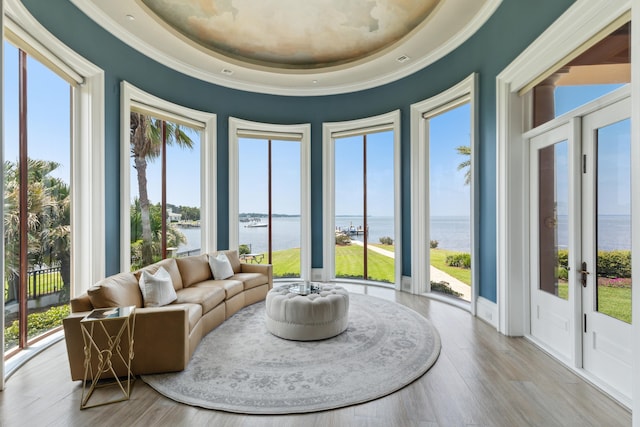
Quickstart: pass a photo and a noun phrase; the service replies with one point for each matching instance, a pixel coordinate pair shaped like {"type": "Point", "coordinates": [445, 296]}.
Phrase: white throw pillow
{"type": "Point", "coordinates": [220, 267]}
{"type": "Point", "coordinates": [157, 289]}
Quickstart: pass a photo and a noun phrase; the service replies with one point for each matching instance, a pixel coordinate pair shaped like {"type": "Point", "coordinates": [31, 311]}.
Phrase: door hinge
{"type": "Point", "coordinates": [585, 323]}
{"type": "Point", "coordinates": [584, 163]}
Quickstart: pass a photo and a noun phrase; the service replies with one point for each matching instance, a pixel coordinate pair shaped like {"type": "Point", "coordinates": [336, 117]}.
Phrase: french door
{"type": "Point", "coordinates": [606, 245]}
{"type": "Point", "coordinates": [580, 243]}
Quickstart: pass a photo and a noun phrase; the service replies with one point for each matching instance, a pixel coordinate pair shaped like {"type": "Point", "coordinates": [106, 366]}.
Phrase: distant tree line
{"type": "Point", "coordinates": [188, 213]}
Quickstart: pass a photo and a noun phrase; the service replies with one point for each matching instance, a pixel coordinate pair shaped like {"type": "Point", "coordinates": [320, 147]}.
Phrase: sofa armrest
{"type": "Point", "coordinates": [266, 269]}
{"type": "Point", "coordinates": [161, 341]}
{"type": "Point", "coordinates": [81, 303]}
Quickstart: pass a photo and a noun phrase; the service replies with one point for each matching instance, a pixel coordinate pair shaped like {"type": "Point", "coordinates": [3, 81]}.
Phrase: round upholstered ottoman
{"type": "Point", "coordinates": [313, 313]}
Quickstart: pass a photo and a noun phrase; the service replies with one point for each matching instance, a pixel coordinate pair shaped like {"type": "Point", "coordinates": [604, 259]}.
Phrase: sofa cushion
{"type": "Point", "coordinates": [251, 280]}
{"type": "Point", "coordinates": [118, 290]}
{"type": "Point", "coordinates": [231, 287]}
{"type": "Point", "coordinates": [194, 269]}
{"type": "Point", "coordinates": [234, 259]}
{"type": "Point", "coordinates": [220, 266]}
{"type": "Point", "coordinates": [157, 289]}
{"type": "Point", "coordinates": [168, 264]}
{"type": "Point", "coordinates": [208, 298]}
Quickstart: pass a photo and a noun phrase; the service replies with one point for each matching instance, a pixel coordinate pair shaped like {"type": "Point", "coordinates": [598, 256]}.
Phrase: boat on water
{"type": "Point", "coordinates": [256, 223]}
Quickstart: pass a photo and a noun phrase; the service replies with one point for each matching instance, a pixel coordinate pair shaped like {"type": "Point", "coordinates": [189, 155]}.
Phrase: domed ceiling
{"type": "Point", "coordinates": [293, 47]}
{"type": "Point", "coordinates": [303, 34]}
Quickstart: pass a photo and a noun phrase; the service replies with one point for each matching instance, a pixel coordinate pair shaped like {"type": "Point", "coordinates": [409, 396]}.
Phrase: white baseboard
{"type": "Point", "coordinates": [317, 275]}
{"type": "Point", "coordinates": [487, 311]}
{"type": "Point", "coordinates": [405, 284]}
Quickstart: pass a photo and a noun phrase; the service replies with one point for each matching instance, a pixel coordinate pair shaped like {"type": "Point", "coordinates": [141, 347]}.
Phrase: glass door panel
{"type": "Point", "coordinates": [553, 225]}
{"type": "Point", "coordinates": [606, 276]}
{"type": "Point", "coordinates": [613, 224]}
{"type": "Point", "coordinates": [551, 297]}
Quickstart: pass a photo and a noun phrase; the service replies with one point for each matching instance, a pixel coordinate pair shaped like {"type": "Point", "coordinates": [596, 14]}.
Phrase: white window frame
{"type": "Point", "coordinates": [130, 96]}
{"type": "Point", "coordinates": [87, 159]}
{"type": "Point", "coordinates": [421, 112]}
{"type": "Point", "coordinates": [391, 121]}
{"type": "Point", "coordinates": [271, 131]}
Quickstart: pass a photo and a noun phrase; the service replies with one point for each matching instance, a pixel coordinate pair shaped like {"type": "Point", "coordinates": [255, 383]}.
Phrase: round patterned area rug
{"type": "Point", "coordinates": [240, 367]}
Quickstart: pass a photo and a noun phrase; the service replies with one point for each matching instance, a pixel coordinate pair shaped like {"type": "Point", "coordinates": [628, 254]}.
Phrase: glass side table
{"type": "Point", "coordinates": [103, 331]}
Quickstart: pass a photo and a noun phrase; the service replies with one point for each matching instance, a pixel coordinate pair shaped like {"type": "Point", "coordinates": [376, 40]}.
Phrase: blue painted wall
{"type": "Point", "coordinates": [514, 26]}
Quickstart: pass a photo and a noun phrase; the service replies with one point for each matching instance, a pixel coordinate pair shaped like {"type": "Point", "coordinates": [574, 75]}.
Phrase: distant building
{"type": "Point", "coordinates": [173, 217]}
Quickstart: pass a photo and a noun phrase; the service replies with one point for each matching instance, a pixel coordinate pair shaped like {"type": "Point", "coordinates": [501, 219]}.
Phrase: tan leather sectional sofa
{"type": "Point", "coordinates": [166, 337]}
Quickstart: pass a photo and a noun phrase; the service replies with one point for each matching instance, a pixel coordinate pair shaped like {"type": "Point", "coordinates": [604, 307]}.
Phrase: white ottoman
{"type": "Point", "coordinates": [315, 316]}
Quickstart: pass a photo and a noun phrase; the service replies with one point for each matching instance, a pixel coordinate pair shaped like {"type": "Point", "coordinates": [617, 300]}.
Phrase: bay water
{"type": "Point", "coordinates": [451, 232]}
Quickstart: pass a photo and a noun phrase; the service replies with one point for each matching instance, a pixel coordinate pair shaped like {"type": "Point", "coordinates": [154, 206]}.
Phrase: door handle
{"type": "Point", "coordinates": [583, 275]}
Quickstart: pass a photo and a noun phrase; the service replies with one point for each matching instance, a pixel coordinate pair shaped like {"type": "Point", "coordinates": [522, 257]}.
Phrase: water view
{"type": "Point", "coordinates": [451, 233]}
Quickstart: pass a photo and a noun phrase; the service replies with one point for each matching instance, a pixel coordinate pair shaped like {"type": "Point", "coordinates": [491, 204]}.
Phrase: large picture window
{"type": "Point", "coordinates": [169, 185]}
{"type": "Point", "coordinates": [165, 219]}
{"type": "Point", "coordinates": [37, 195]}
{"type": "Point", "coordinates": [361, 200]}
{"type": "Point", "coordinates": [443, 209]}
{"type": "Point", "coordinates": [53, 172]}
{"type": "Point", "coordinates": [269, 196]}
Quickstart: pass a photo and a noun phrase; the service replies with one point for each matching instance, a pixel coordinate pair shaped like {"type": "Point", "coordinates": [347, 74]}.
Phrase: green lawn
{"type": "Point", "coordinates": [616, 302]}
{"type": "Point", "coordinates": [438, 257]}
{"type": "Point", "coordinates": [349, 261]}
{"type": "Point", "coordinates": [45, 283]}
{"type": "Point", "coordinates": [612, 301]}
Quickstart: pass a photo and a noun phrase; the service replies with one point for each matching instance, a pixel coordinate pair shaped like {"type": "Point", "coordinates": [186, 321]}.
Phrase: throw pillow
{"type": "Point", "coordinates": [157, 289]}
{"type": "Point", "coordinates": [220, 267]}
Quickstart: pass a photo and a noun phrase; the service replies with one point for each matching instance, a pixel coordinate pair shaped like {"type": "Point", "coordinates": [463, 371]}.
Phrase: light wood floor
{"type": "Point", "coordinates": [481, 379]}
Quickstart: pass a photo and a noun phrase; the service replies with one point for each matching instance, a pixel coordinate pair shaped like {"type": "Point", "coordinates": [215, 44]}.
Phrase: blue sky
{"type": "Point", "coordinates": [449, 196]}
{"type": "Point", "coordinates": [49, 136]}
{"type": "Point", "coordinates": [48, 102]}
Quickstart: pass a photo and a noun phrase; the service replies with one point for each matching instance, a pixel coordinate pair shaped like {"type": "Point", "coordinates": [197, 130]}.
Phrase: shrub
{"type": "Point", "coordinates": [563, 258]}
{"type": "Point", "coordinates": [460, 259]}
{"type": "Point", "coordinates": [562, 273]}
{"type": "Point", "coordinates": [614, 263]}
{"type": "Point", "coordinates": [343, 239]}
{"type": "Point", "coordinates": [37, 323]}
{"type": "Point", "coordinates": [244, 249]}
{"type": "Point", "coordinates": [433, 244]}
{"type": "Point", "coordinates": [610, 263]}
{"type": "Point", "coordinates": [444, 288]}
{"type": "Point", "coordinates": [386, 240]}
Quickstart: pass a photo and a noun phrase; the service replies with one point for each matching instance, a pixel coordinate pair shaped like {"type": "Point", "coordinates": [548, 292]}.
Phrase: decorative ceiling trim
{"type": "Point", "coordinates": [308, 83]}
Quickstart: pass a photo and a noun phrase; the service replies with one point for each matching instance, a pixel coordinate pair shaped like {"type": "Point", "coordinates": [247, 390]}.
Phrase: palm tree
{"type": "Point", "coordinates": [465, 150]}
{"type": "Point", "coordinates": [174, 236]}
{"type": "Point", "coordinates": [48, 221]}
{"type": "Point", "coordinates": [146, 145]}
